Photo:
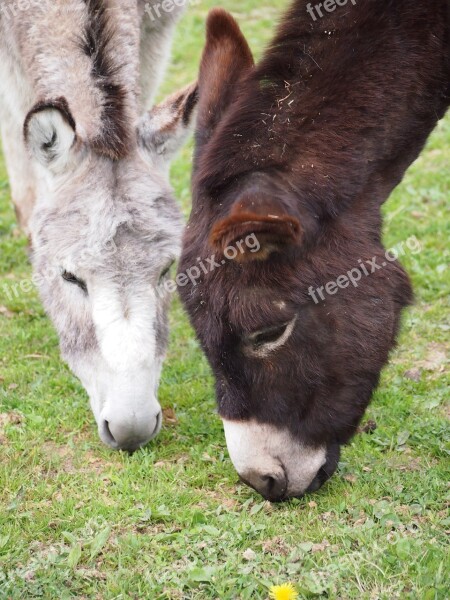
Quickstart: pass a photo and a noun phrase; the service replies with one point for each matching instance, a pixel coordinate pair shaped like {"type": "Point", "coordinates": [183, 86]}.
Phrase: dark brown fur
{"type": "Point", "coordinates": [318, 134]}
{"type": "Point", "coordinates": [114, 141]}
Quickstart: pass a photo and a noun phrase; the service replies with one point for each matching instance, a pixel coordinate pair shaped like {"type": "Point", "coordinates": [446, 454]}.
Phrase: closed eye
{"type": "Point", "coordinates": [271, 334]}
{"type": "Point", "coordinates": [166, 271]}
{"type": "Point", "coordinates": [264, 341]}
{"type": "Point", "coordinates": [71, 278]}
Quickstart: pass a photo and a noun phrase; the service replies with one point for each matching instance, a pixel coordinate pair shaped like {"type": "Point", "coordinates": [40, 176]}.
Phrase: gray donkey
{"type": "Point", "coordinates": [89, 180]}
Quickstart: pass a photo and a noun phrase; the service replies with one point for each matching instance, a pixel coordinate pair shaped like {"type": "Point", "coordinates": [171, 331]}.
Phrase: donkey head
{"type": "Point", "coordinates": [293, 376]}
{"type": "Point", "coordinates": [105, 232]}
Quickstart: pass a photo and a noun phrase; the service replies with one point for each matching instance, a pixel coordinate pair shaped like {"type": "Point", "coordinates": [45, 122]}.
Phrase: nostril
{"type": "Point", "coordinates": [270, 482]}
{"type": "Point", "coordinates": [109, 438]}
{"type": "Point", "coordinates": [275, 487]}
{"type": "Point", "coordinates": [317, 482]}
{"type": "Point", "coordinates": [272, 487]}
{"type": "Point", "coordinates": [327, 470]}
{"type": "Point", "coordinates": [158, 424]}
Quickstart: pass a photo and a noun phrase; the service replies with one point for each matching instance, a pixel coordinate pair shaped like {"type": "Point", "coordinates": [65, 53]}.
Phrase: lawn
{"type": "Point", "coordinates": [78, 520]}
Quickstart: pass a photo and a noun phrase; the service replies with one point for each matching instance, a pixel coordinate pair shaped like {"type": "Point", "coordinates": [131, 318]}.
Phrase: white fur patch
{"type": "Point", "coordinates": [265, 449]}
{"type": "Point", "coordinates": [280, 304]}
{"type": "Point", "coordinates": [125, 327]}
{"type": "Point", "coordinates": [122, 379]}
{"type": "Point", "coordinates": [125, 405]}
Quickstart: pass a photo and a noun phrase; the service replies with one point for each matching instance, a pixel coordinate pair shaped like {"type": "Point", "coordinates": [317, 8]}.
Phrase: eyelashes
{"type": "Point", "coordinates": [74, 280]}
{"type": "Point", "coordinates": [266, 336]}
{"type": "Point", "coordinates": [71, 278]}
{"type": "Point", "coordinates": [165, 272]}
{"type": "Point", "coordinates": [261, 343]}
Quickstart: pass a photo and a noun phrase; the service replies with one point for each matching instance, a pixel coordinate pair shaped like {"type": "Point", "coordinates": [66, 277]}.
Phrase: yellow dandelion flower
{"type": "Point", "coordinates": [283, 592]}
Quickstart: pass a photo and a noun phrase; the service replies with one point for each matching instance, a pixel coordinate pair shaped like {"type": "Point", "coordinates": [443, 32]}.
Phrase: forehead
{"type": "Point", "coordinates": [242, 299]}
{"type": "Point", "coordinates": [117, 242]}
{"type": "Point", "coordinates": [257, 305]}
{"type": "Point", "coordinates": [116, 214]}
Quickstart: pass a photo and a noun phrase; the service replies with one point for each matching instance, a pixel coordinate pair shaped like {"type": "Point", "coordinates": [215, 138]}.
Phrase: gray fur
{"type": "Point", "coordinates": [107, 217]}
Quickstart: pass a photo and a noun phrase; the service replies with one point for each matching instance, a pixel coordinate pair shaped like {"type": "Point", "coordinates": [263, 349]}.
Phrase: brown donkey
{"type": "Point", "coordinates": [302, 150]}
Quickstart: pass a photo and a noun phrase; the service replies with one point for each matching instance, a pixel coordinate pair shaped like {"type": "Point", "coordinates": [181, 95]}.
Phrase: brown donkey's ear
{"type": "Point", "coordinates": [256, 228]}
{"type": "Point", "coordinates": [226, 58]}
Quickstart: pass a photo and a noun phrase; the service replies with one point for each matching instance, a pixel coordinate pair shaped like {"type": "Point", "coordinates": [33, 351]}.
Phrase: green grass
{"type": "Point", "coordinates": [172, 521]}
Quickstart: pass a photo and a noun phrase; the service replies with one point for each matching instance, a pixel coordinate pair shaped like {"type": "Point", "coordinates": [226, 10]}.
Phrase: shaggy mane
{"type": "Point", "coordinates": [114, 140]}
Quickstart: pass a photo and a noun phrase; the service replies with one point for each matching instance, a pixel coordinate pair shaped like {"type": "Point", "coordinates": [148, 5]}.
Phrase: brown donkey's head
{"type": "Point", "coordinates": [294, 373]}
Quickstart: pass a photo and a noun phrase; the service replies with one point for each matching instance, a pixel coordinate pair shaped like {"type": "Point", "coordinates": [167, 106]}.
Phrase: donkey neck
{"type": "Point", "coordinates": [329, 109]}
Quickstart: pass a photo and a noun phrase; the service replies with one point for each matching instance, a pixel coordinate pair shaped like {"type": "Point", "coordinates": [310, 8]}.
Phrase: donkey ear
{"type": "Point", "coordinates": [226, 58]}
{"type": "Point", "coordinates": [164, 129]}
{"type": "Point", "coordinates": [50, 133]}
{"type": "Point", "coordinates": [263, 221]}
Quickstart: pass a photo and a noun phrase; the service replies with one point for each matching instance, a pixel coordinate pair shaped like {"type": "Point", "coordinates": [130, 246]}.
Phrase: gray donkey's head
{"type": "Point", "coordinates": [105, 232]}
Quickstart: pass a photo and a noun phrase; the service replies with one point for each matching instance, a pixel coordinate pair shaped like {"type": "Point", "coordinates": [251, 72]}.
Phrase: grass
{"type": "Point", "coordinates": [171, 521]}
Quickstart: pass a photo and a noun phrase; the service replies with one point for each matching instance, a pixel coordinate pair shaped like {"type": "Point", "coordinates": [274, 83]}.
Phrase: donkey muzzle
{"type": "Point", "coordinates": [273, 462]}
{"type": "Point", "coordinates": [129, 434]}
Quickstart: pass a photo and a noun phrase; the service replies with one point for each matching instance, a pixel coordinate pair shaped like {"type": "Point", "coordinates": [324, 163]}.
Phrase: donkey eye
{"type": "Point", "coordinates": [271, 334]}
{"type": "Point", "coordinates": [261, 343]}
{"type": "Point", "coordinates": [71, 278]}
{"type": "Point", "coordinates": [165, 271]}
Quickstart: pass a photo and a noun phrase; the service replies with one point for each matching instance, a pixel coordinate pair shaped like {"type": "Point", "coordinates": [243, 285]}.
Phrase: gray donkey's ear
{"type": "Point", "coordinates": [50, 133]}
{"type": "Point", "coordinates": [165, 128]}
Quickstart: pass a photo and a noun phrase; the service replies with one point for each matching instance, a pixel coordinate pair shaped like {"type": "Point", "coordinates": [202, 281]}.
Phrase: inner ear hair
{"type": "Point", "coordinates": [49, 133]}
{"type": "Point", "coordinates": [166, 126]}
{"type": "Point", "coordinates": [186, 102]}
{"type": "Point", "coordinates": [59, 104]}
